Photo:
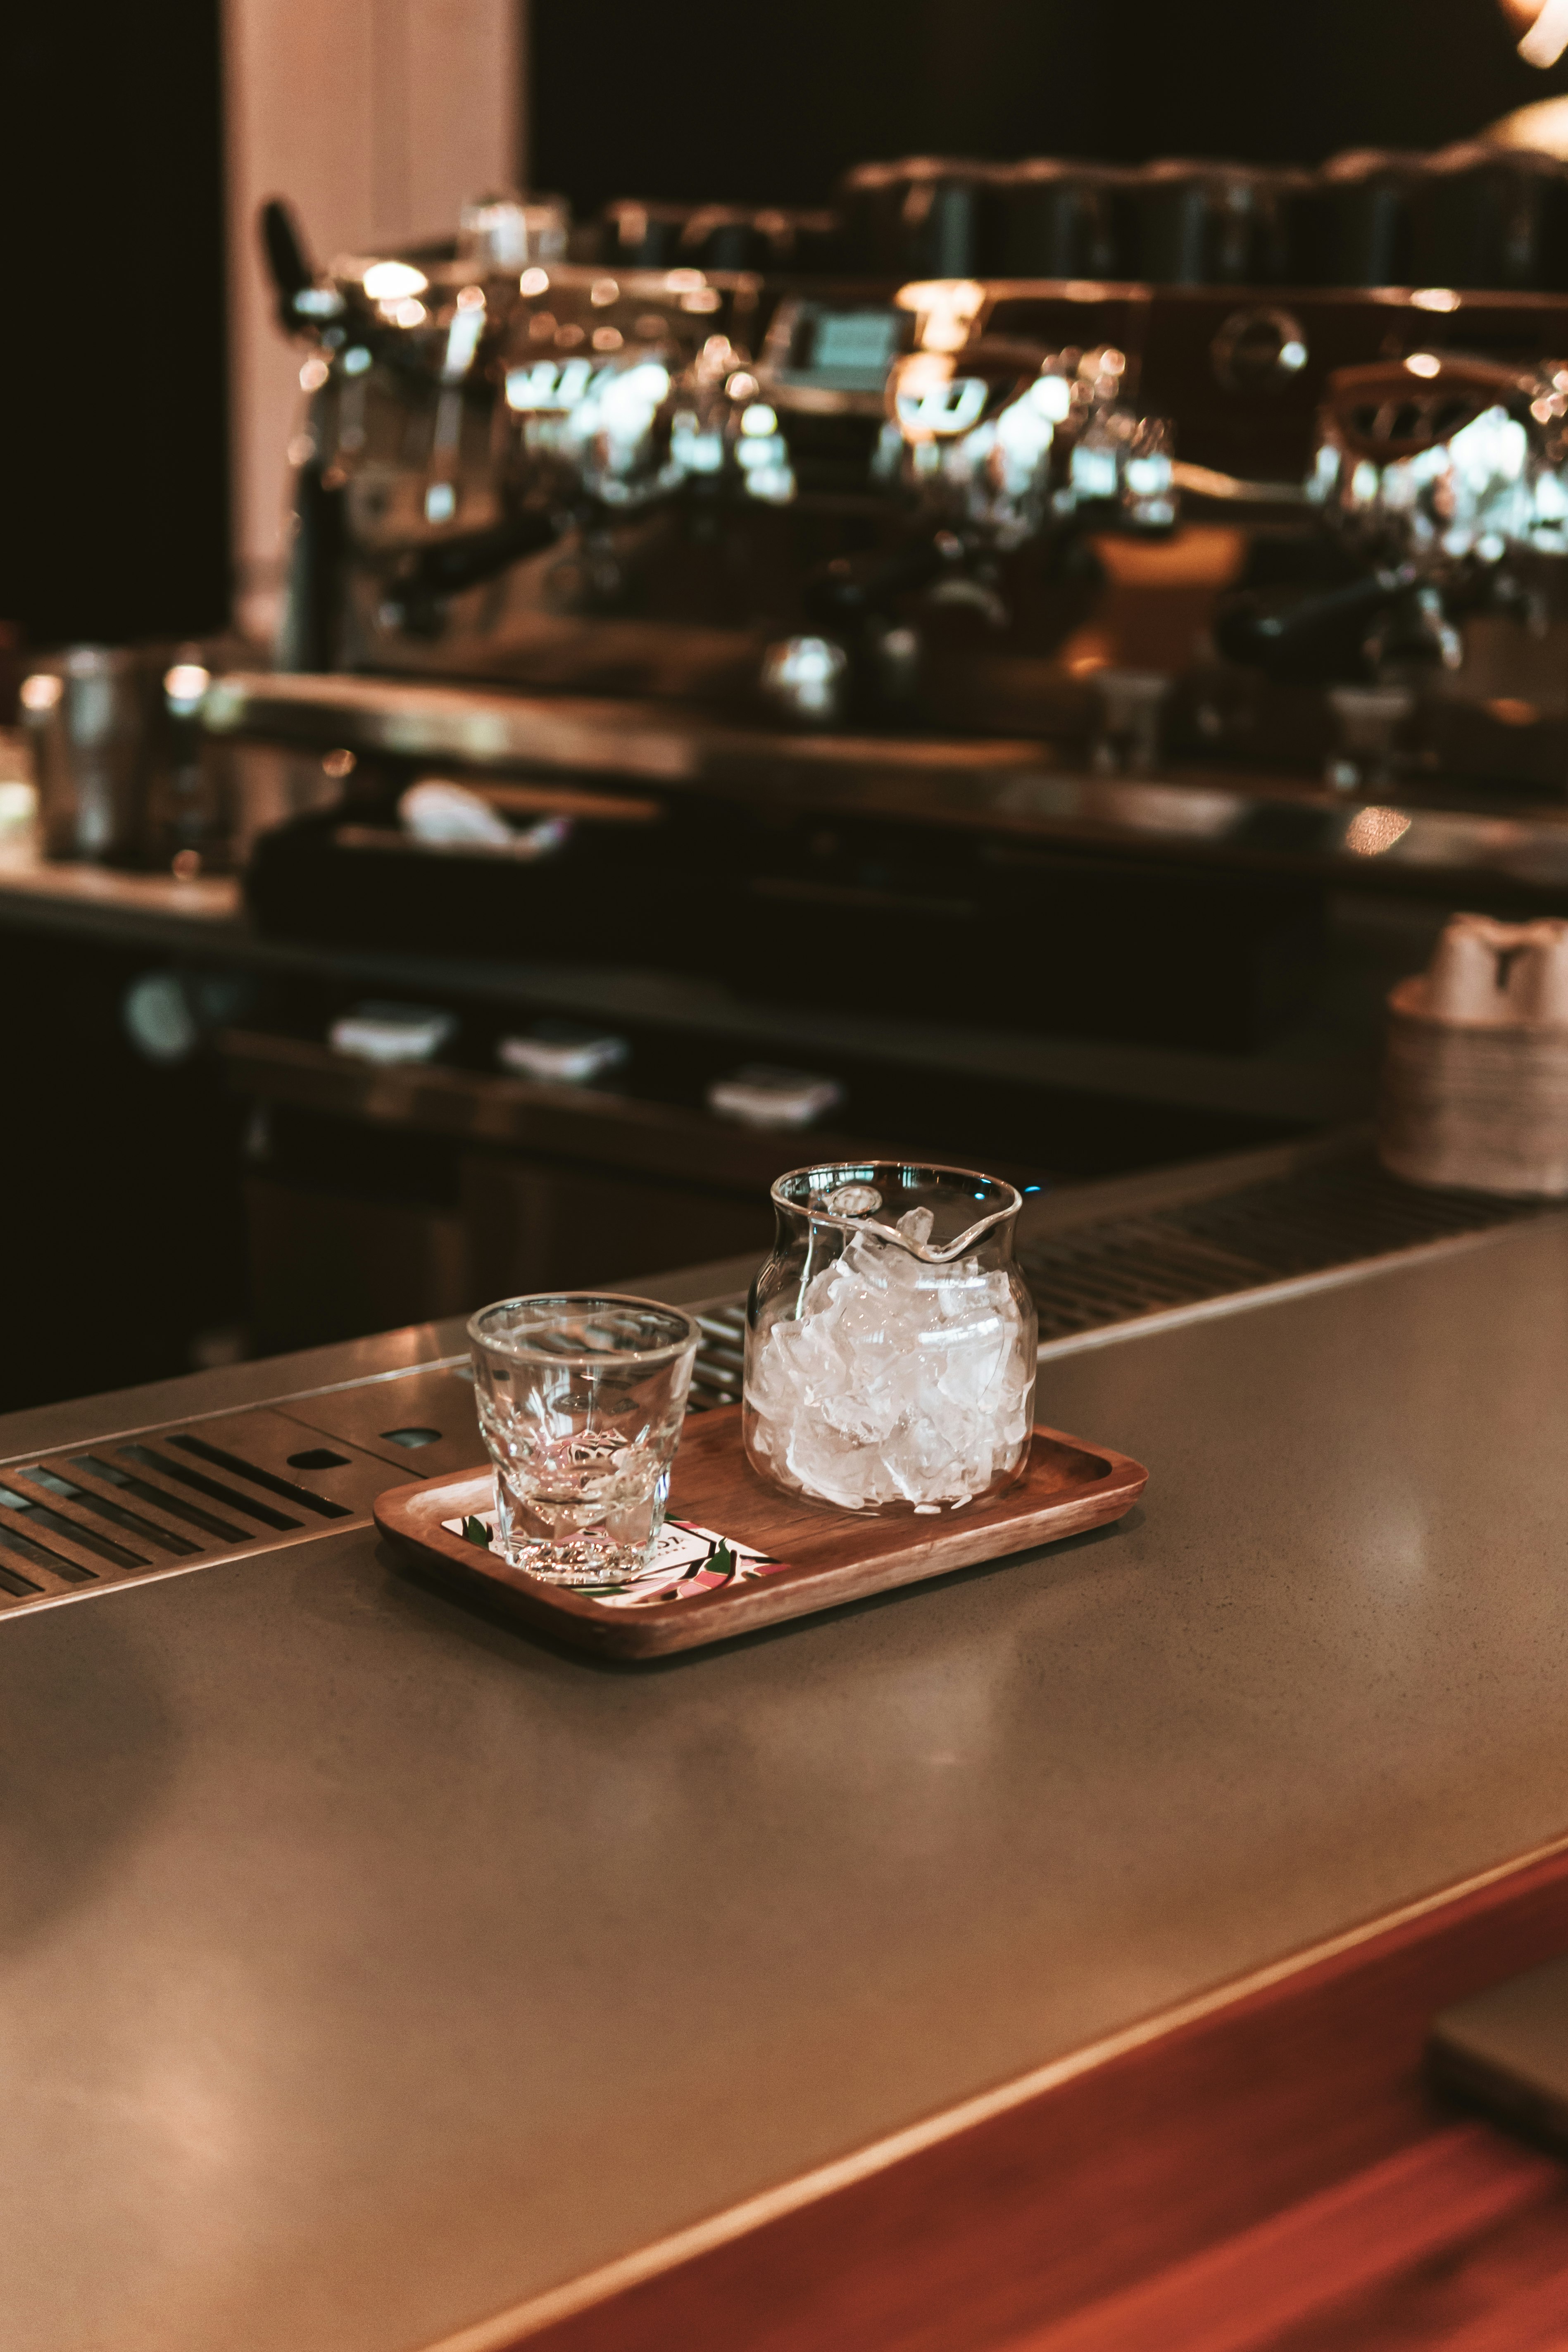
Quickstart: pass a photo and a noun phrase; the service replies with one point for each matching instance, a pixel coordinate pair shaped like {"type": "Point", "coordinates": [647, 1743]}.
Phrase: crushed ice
{"type": "Point", "coordinates": [900, 1380]}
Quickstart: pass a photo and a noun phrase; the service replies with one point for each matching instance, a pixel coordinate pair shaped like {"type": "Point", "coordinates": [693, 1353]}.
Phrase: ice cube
{"type": "Point", "coordinates": [899, 1380]}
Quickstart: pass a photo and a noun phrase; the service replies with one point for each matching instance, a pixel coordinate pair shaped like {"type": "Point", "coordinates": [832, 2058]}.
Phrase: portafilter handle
{"type": "Point", "coordinates": [287, 258]}
{"type": "Point", "coordinates": [1320, 638]}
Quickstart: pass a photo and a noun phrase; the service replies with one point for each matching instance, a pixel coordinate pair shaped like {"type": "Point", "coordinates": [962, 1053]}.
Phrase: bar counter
{"type": "Point", "coordinates": [373, 1970]}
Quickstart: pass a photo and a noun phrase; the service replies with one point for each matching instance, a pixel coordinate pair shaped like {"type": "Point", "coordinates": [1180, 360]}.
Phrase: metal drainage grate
{"type": "Point", "coordinates": [190, 1493]}
{"type": "Point", "coordinates": [1338, 1213]}
{"type": "Point", "coordinates": [112, 1511]}
{"type": "Point", "coordinates": [720, 1357]}
{"type": "Point", "coordinates": [1117, 1269]}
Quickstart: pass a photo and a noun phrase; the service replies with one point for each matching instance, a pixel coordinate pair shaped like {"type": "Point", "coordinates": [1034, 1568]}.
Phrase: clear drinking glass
{"type": "Point", "coordinates": [891, 1339]}
{"type": "Point", "coordinates": [581, 1400]}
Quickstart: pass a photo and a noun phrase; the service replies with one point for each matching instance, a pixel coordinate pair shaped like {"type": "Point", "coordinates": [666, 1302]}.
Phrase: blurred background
{"type": "Point", "coordinates": [378, 117]}
{"type": "Point", "coordinates": [1159, 937]}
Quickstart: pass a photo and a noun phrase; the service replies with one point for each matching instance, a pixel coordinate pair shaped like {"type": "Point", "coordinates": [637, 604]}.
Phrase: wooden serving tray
{"type": "Point", "coordinates": [828, 1556]}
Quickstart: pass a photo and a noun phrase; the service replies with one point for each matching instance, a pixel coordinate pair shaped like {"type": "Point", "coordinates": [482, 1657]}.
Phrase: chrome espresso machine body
{"type": "Point", "coordinates": [972, 613]}
{"type": "Point", "coordinates": [686, 483]}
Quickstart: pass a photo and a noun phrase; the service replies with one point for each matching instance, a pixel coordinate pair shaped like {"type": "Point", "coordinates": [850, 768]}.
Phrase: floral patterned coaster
{"type": "Point", "coordinates": [687, 1559]}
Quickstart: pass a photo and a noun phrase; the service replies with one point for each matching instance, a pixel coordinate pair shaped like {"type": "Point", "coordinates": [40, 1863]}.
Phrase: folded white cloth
{"type": "Point", "coordinates": [392, 1033]}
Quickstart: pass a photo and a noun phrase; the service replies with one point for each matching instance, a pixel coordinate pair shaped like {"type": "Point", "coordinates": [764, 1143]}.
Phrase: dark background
{"type": "Point", "coordinates": [685, 99]}
{"type": "Point", "coordinates": [113, 369]}
{"type": "Point", "coordinates": [114, 524]}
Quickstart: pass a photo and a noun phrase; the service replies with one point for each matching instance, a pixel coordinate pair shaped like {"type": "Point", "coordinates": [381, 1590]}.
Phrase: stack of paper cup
{"type": "Point", "coordinates": [1475, 1092]}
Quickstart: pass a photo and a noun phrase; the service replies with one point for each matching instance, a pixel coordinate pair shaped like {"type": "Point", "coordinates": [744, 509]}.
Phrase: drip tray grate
{"type": "Point", "coordinates": [1097, 1272]}
{"type": "Point", "coordinates": [1339, 1212]}
{"type": "Point", "coordinates": [187, 1494]}
{"type": "Point", "coordinates": [720, 1357]}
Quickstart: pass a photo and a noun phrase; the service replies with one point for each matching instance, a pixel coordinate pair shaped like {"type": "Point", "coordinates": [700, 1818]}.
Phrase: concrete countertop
{"type": "Point", "coordinates": [369, 1967]}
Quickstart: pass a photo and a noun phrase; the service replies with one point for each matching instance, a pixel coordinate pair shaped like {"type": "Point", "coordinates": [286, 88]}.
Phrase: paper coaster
{"type": "Point", "coordinates": [687, 1559]}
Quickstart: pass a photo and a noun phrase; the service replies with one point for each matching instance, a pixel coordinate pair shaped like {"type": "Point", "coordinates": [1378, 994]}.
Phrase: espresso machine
{"type": "Point", "coordinates": [1003, 568]}
{"type": "Point", "coordinates": [595, 473]}
{"type": "Point", "coordinates": [693, 484]}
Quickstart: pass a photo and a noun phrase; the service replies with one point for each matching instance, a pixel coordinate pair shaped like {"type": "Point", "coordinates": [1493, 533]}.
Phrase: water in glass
{"type": "Point", "coordinates": [581, 1400]}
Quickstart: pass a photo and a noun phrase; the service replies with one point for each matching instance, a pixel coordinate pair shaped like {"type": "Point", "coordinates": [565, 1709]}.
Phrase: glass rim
{"type": "Point", "coordinates": [845, 1171]}
{"type": "Point", "coordinates": [581, 1302]}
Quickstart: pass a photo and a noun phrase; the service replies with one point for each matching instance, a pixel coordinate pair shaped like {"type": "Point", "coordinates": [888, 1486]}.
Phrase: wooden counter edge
{"type": "Point", "coordinates": [1128, 2199]}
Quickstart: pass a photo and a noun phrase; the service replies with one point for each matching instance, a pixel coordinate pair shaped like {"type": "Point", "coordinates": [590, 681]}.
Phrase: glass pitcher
{"type": "Point", "coordinates": [891, 1339]}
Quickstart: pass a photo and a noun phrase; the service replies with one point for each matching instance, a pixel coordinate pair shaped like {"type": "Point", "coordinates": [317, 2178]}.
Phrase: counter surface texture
{"type": "Point", "coordinates": [369, 1967]}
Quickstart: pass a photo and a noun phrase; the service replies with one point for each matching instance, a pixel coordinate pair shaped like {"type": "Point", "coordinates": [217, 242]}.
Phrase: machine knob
{"type": "Point", "coordinates": [1258, 351]}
